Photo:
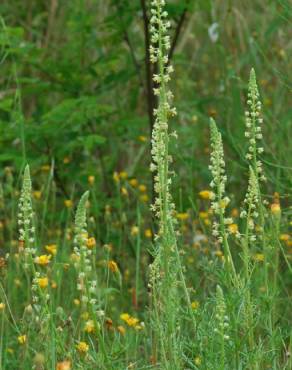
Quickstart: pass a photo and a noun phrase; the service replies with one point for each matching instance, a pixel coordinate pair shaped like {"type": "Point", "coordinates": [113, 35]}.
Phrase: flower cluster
{"type": "Point", "coordinates": [160, 44]}
{"type": "Point", "coordinates": [25, 217]}
{"type": "Point", "coordinates": [218, 183]}
{"type": "Point", "coordinates": [252, 204]}
{"type": "Point", "coordinates": [222, 320]}
{"type": "Point", "coordinates": [86, 285]}
{"type": "Point", "coordinates": [253, 126]}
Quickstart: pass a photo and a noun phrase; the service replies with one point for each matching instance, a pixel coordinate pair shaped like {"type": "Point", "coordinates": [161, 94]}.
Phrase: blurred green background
{"type": "Point", "coordinates": [74, 88]}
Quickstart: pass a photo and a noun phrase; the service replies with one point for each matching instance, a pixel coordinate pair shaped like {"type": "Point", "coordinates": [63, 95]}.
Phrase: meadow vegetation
{"type": "Point", "coordinates": [145, 185]}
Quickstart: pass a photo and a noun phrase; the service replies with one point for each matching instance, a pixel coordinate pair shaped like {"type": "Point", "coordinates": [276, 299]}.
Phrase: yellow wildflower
{"type": "Point", "coordinates": [43, 260]}
{"type": "Point", "coordinates": [195, 305]}
{"type": "Point", "coordinates": [76, 302]}
{"type": "Point", "coordinates": [124, 191]}
{"type": "Point", "coordinates": [2, 306]}
{"type": "Point", "coordinates": [284, 237]}
{"type": "Point", "coordinates": [123, 175]}
{"type": "Point", "coordinates": [68, 203]}
{"type": "Point", "coordinates": [259, 257]}
{"type": "Point", "coordinates": [148, 233]}
{"type": "Point", "coordinates": [21, 339]}
{"type": "Point", "coordinates": [43, 282]}
{"type": "Point", "coordinates": [37, 194]}
{"type": "Point", "coordinates": [198, 361]}
{"type": "Point", "coordinates": [203, 214]}
{"type": "Point", "coordinates": [206, 194]}
{"type": "Point", "coordinates": [142, 188]}
{"type": "Point", "coordinates": [124, 316]}
{"type": "Point", "coordinates": [276, 209]}
{"type": "Point", "coordinates": [91, 243]}
{"type": "Point", "coordinates": [46, 168]}
{"type": "Point", "coordinates": [66, 160]}
{"type": "Point", "coordinates": [91, 180]}
{"type": "Point", "coordinates": [89, 326]}
{"type": "Point", "coordinates": [182, 216]}
{"type": "Point", "coordinates": [142, 138]}
{"type": "Point", "coordinates": [133, 182]}
{"type": "Point", "coordinates": [144, 198]}
{"type": "Point", "coordinates": [54, 285]}
{"type": "Point", "coordinates": [82, 347]}
{"type": "Point", "coordinates": [51, 248]}
{"type": "Point", "coordinates": [131, 321]}
{"type": "Point", "coordinates": [64, 365]}
{"type": "Point", "coordinates": [85, 315]}
{"type": "Point", "coordinates": [121, 329]}
{"type": "Point", "coordinates": [113, 266]}
{"type": "Point", "coordinates": [233, 228]}
{"type": "Point", "coordinates": [134, 230]}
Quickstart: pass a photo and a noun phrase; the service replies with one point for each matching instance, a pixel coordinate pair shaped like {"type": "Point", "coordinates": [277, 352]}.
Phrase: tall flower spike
{"type": "Point", "coordinates": [160, 44]}
{"type": "Point", "coordinates": [217, 168]}
{"type": "Point", "coordinates": [253, 121]}
{"type": "Point", "coordinates": [25, 216]}
{"type": "Point", "coordinates": [86, 285]}
{"type": "Point", "coordinates": [80, 217]}
{"type": "Point", "coordinates": [252, 204]}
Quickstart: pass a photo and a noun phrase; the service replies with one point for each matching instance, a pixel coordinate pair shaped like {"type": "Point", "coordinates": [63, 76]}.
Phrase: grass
{"type": "Point", "coordinates": [202, 283]}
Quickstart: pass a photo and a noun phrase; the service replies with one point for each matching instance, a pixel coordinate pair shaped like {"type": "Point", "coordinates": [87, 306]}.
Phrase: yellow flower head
{"type": "Point", "coordinates": [131, 321]}
{"type": "Point", "coordinates": [82, 347]}
{"type": "Point", "coordinates": [144, 198]}
{"type": "Point", "coordinates": [54, 285]}
{"type": "Point", "coordinates": [43, 282]}
{"type": "Point", "coordinates": [259, 257]}
{"type": "Point", "coordinates": [198, 361]}
{"type": "Point", "coordinates": [133, 182]}
{"type": "Point", "coordinates": [2, 306]}
{"type": "Point", "coordinates": [64, 365]}
{"type": "Point", "coordinates": [37, 194]}
{"type": "Point", "coordinates": [113, 266]}
{"type": "Point", "coordinates": [89, 326]}
{"type": "Point", "coordinates": [148, 233]}
{"type": "Point", "coordinates": [134, 230]}
{"type": "Point", "coordinates": [203, 214]}
{"type": "Point", "coordinates": [43, 260]}
{"type": "Point", "coordinates": [124, 316]}
{"type": "Point", "coordinates": [116, 177]}
{"type": "Point", "coordinates": [85, 315]}
{"type": "Point", "coordinates": [121, 329]}
{"type": "Point", "coordinates": [76, 302]}
{"type": "Point", "coordinates": [91, 180]}
{"type": "Point", "coordinates": [142, 138]}
{"type": "Point", "coordinates": [123, 175]}
{"type": "Point", "coordinates": [22, 339]}
{"type": "Point", "coordinates": [233, 228]}
{"type": "Point", "coordinates": [68, 203]}
{"type": "Point", "coordinates": [46, 168]}
{"type": "Point", "coordinates": [284, 237]}
{"type": "Point", "coordinates": [206, 194]}
{"type": "Point", "coordinates": [182, 216]}
{"type": "Point", "coordinates": [142, 188]}
{"type": "Point", "coordinates": [276, 209]}
{"type": "Point", "coordinates": [51, 248]}
{"type": "Point", "coordinates": [195, 305]}
{"type": "Point", "coordinates": [91, 243]}
{"type": "Point", "coordinates": [124, 191]}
